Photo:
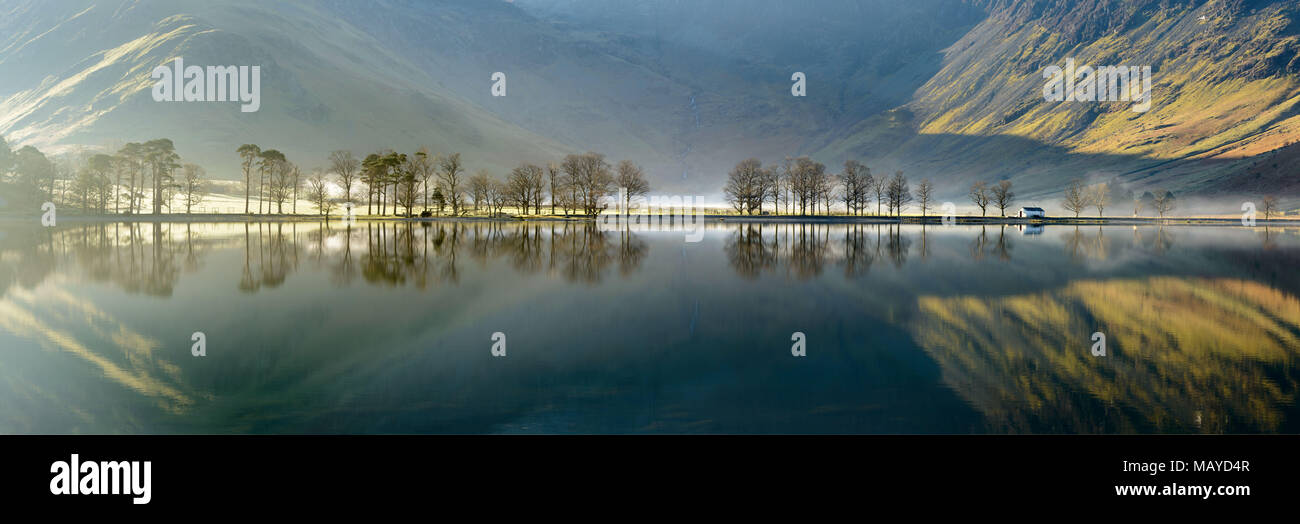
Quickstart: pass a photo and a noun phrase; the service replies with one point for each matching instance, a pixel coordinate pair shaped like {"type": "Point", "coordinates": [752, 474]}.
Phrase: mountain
{"type": "Point", "coordinates": [76, 73]}
{"type": "Point", "coordinates": [1224, 99]}
{"type": "Point", "coordinates": [400, 73]}
{"type": "Point", "coordinates": [860, 58]}
{"type": "Point", "coordinates": [944, 89]}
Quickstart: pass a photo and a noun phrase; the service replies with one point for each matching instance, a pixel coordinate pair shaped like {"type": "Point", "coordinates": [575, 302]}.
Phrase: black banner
{"type": "Point", "coordinates": [324, 472]}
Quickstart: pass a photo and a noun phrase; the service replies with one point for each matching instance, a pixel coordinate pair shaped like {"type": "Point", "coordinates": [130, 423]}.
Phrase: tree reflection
{"type": "Point", "coordinates": [148, 258]}
{"type": "Point", "coordinates": [859, 252]}
{"type": "Point", "coordinates": [750, 253]}
{"type": "Point", "coordinates": [1081, 244]}
{"type": "Point", "coordinates": [805, 250]}
{"type": "Point", "coordinates": [139, 258]}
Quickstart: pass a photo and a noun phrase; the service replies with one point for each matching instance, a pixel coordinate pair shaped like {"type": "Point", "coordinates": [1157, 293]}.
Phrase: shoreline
{"type": "Point", "coordinates": [741, 219]}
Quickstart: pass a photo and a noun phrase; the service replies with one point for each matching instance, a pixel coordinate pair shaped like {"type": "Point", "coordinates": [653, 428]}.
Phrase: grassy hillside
{"type": "Point", "coordinates": [1225, 89]}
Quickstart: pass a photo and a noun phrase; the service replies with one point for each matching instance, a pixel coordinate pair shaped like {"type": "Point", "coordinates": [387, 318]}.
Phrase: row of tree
{"type": "Point", "coordinates": [278, 179]}
{"type": "Point", "coordinates": [122, 182]}
{"type": "Point", "coordinates": [998, 195]}
{"type": "Point", "coordinates": [397, 183]}
{"type": "Point", "coordinates": [803, 186]}
{"type": "Point", "coordinates": [150, 175]}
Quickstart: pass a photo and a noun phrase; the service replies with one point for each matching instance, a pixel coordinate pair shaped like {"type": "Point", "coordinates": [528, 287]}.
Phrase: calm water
{"type": "Point", "coordinates": [383, 327]}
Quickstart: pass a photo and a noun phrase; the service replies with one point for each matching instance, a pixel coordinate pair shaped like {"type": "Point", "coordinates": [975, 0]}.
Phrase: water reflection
{"type": "Point", "coordinates": [383, 326]}
{"type": "Point", "coordinates": [149, 258]}
{"type": "Point", "coordinates": [1186, 354]}
{"type": "Point", "coordinates": [803, 251]}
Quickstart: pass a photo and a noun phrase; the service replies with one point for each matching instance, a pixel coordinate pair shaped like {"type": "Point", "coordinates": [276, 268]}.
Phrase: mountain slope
{"type": "Point", "coordinates": [1225, 88]}
{"type": "Point", "coordinates": [325, 85]}
{"type": "Point", "coordinates": [686, 103]}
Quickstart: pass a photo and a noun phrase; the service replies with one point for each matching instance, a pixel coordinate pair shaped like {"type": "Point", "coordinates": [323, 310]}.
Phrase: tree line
{"type": "Point", "coordinates": [396, 183]}
{"type": "Point", "coordinates": [388, 182]}
{"type": "Point", "coordinates": [122, 182]}
{"type": "Point", "coordinates": [803, 186]}
{"type": "Point", "coordinates": [151, 175]}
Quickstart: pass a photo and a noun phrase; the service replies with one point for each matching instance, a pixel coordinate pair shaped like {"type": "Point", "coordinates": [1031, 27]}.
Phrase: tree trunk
{"type": "Point", "coordinates": [261, 182]}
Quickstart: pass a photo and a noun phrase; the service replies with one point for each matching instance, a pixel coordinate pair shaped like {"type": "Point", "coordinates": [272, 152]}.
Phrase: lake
{"type": "Point", "coordinates": [390, 327]}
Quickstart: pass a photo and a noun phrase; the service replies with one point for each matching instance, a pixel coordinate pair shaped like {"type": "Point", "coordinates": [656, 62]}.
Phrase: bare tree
{"type": "Point", "coordinates": [1003, 196]}
{"type": "Point", "coordinates": [591, 180]}
{"type": "Point", "coordinates": [346, 167]}
{"type": "Point", "coordinates": [863, 192]}
{"type": "Point", "coordinates": [878, 186]}
{"type": "Point", "coordinates": [1269, 205]}
{"type": "Point", "coordinates": [192, 187]}
{"type": "Point", "coordinates": [898, 194]}
{"type": "Point", "coordinates": [318, 191]}
{"type": "Point", "coordinates": [744, 189]}
{"type": "Point", "coordinates": [537, 179]}
{"type": "Point", "coordinates": [552, 173]}
{"type": "Point", "coordinates": [924, 195]}
{"type": "Point", "coordinates": [979, 194]}
{"type": "Point", "coordinates": [632, 180]}
{"type": "Point", "coordinates": [787, 175]}
{"type": "Point", "coordinates": [450, 176]}
{"type": "Point", "coordinates": [479, 184]}
{"type": "Point", "coordinates": [296, 174]}
{"type": "Point", "coordinates": [856, 183]}
{"type": "Point", "coordinates": [523, 186]}
{"type": "Point", "coordinates": [281, 188]}
{"type": "Point", "coordinates": [1100, 197]}
{"type": "Point", "coordinates": [772, 188]}
{"type": "Point", "coordinates": [826, 190]}
{"type": "Point", "coordinates": [519, 188]}
{"type": "Point", "coordinates": [496, 197]}
{"type": "Point", "coordinates": [1164, 202]}
{"type": "Point", "coordinates": [1075, 198]}
{"type": "Point", "coordinates": [809, 183]}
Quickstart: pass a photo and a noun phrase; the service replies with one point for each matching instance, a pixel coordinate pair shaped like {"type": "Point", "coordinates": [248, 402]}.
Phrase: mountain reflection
{"type": "Point", "coordinates": [386, 327]}
{"type": "Point", "coordinates": [1185, 355]}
